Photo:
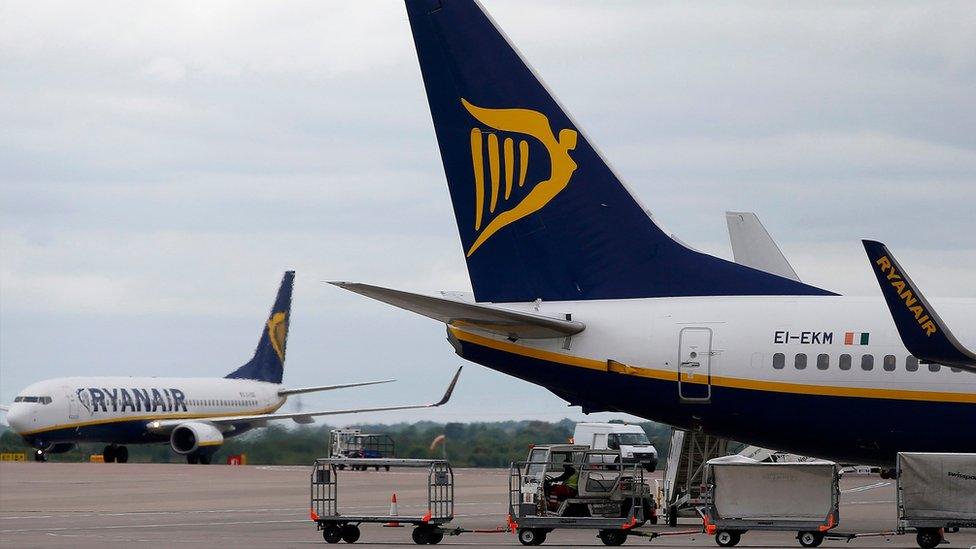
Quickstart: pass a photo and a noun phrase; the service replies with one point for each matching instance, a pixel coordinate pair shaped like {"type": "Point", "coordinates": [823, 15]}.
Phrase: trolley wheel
{"type": "Point", "coordinates": [421, 535]}
{"type": "Point", "coordinates": [810, 539]}
{"type": "Point", "coordinates": [341, 466]}
{"type": "Point", "coordinates": [387, 467]}
{"type": "Point", "coordinates": [331, 533]}
{"type": "Point", "coordinates": [531, 536]}
{"type": "Point", "coordinates": [435, 538]}
{"type": "Point", "coordinates": [728, 538]}
{"type": "Point", "coordinates": [349, 533]}
{"type": "Point", "coordinates": [928, 538]}
{"type": "Point", "coordinates": [612, 537]}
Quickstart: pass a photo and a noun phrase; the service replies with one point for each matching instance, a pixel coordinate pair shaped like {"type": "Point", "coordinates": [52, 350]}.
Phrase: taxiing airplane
{"type": "Point", "coordinates": [194, 415]}
{"type": "Point", "coordinates": [578, 289]}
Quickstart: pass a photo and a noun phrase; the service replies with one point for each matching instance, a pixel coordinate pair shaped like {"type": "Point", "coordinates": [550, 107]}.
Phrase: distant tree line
{"type": "Point", "coordinates": [494, 444]}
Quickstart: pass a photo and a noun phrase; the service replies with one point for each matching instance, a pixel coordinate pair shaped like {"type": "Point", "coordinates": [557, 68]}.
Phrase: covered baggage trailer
{"type": "Point", "coordinates": [936, 493]}
{"type": "Point", "coordinates": [742, 494]}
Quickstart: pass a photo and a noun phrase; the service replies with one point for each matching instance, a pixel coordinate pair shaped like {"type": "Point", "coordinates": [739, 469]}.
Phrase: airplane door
{"type": "Point", "coordinates": [695, 365]}
{"type": "Point", "coordinates": [72, 403]}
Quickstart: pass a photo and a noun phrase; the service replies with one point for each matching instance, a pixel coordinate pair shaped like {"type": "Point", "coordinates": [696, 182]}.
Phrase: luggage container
{"type": "Point", "coordinates": [935, 493]}
{"type": "Point", "coordinates": [742, 494]}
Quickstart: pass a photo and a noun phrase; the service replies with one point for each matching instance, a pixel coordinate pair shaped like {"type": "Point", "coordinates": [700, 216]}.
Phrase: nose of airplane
{"type": "Point", "coordinates": [17, 418]}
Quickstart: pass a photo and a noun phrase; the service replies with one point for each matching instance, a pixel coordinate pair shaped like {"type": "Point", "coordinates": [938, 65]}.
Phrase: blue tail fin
{"type": "Point", "coordinates": [268, 363]}
{"type": "Point", "coordinates": [540, 214]}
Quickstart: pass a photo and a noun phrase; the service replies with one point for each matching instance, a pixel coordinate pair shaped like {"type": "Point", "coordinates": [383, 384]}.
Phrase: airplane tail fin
{"type": "Point", "coordinates": [539, 211]}
{"type": "Point", "coordinates": [268, 363]}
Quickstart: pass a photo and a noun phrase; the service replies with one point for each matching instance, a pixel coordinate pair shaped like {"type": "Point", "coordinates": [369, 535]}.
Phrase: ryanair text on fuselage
{"type": "Point", "coordinates": [132, 399]}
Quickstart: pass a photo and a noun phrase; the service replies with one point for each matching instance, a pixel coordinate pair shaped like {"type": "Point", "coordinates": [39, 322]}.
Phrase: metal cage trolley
{"type": "Point", "coordinates": [335, 526]}
{"type": "Point", "coordinates": [610, 497]}
{"type": "Point", "coordinates": [748, 495]}
{"type": "Point", "coordinates": [936, 494]}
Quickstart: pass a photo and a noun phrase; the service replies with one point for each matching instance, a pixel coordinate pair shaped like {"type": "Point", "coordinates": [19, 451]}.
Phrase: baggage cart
{"type": "Point", "coordinates": [336, 526]}
{"type": "Point", "coordinates": [742, 494]}
{"type": "Point", "coordinates": [935, 493]}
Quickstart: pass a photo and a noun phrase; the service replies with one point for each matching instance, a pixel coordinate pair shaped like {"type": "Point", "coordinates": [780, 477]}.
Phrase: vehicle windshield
{"type": "Point", "coordinates": [627, 439]}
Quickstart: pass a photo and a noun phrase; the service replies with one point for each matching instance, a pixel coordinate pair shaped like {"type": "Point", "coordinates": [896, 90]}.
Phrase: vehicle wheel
{"type": "Point", "coordinates": [331, 534]}
{"type": "Point", "coordinates": [421, 535]}
{"type": "Point", "coordinates": [192, 459]}
{"type": "Point", "coordinates": [928, 538]}
{"type": "Point", "coordinates": [435, 538]}
{"type": "Point", "coordinates": [350, 533]}
{"type": "Point", "coordinates": [613, 537]}
{"type": "Point", "coordinates": [121, 454]}
{"type": "Point", "coordinates": [672, 516]}
{"type": "Point", "coordinates": [204, 459]}
{"type": "Point", "coordinates": [727, 538]}
{"type": "Point", "coordinates": [108, 454]}
{"type": "Point", "coordinates": [810, 539]}
{"type": "Point", "coordinates": [531, 536]}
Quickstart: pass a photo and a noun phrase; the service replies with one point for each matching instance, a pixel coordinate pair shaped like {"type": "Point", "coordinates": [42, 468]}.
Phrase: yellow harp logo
{"type": "Point", "coordinates": [277, 332]}
{"type": "Point", "coordinates": [528, 123]}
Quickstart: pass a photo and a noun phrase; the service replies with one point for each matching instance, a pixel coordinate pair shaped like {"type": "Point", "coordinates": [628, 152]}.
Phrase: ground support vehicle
{"type": "Point", "coordinates": [612, 497]}
{"type": "Point", "coordinates": [353, 443]}
{"type": "Point", "coordinates": [630, 440]}
{"type": "Point", "coordinates": [428, 528]}
{"type": "Point", "coordinates": [936, 493]}
{"type": "Point", "coordinates": [742, 494]}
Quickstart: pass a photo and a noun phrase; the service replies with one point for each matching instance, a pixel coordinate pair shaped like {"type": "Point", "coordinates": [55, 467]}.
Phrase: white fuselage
{"type": "Point", "coordinates": [117, 409]}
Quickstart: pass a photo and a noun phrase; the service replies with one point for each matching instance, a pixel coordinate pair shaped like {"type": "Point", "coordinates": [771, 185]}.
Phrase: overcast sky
{"type": "Point", "coordinates": [161, 163]}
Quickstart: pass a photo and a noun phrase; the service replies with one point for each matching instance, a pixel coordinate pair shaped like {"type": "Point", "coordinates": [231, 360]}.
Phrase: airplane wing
{"type": "Point", "coordinates": [4, 408]}
{"type": "Point", "coordinates": [301, 390]}
{"type": "Point", "coordinates": [490, 318]}
{"type": "Point", "coordinates": [162, 426]}
{"type": "Point", "coordinates": [924, 334]}
{"type": "Point", "coordinates": [753, 247]}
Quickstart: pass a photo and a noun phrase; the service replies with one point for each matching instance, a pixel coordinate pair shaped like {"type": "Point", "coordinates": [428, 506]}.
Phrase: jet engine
{"type": "Point", "coordinates": [192, 436]}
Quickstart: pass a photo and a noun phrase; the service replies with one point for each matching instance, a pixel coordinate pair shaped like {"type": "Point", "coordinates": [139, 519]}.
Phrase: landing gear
{"type": "Point", "coordinates": [115, 454]}
{"type": "Point", "coordinates": [39, 455]}
{"type": "Point", "coordinates": [194, 458]}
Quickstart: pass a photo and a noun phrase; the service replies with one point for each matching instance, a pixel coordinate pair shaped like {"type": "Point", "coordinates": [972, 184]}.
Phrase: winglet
{"type": "Point", "coordinates": [924, 334]}
{"type": "Point", "coordinates": [450, 389]}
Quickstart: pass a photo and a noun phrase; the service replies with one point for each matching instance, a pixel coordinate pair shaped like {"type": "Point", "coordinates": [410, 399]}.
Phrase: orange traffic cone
{"type": "Point", "coordinates": [393, 514]}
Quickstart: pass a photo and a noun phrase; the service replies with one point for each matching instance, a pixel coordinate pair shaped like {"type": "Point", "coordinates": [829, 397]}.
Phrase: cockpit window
{"type": "Point", "coordinates": [39, 400]}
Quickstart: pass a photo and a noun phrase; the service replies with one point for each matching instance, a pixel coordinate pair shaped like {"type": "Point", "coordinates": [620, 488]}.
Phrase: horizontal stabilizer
{"type": "Point", "coordinates": [753, 247]}
{"type": "Point", "coordinates": [166, 425]}
{"type": "Point", "coordinates": [924, 334]}
{"type": "Point", "coordinates": [506, 322]}
{"type": "Point", "coordinates": [302, 390]}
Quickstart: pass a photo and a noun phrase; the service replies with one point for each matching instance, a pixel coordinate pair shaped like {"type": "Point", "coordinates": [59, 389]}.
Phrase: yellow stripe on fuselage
{"type": "Point", "coordinates": [719, 381]}
{"type": "Point", "coordinates": [122, 419]}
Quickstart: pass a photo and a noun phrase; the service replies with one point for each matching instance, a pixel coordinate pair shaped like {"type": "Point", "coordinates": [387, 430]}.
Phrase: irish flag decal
{"type": "Point", "coordinates": [856, 338]}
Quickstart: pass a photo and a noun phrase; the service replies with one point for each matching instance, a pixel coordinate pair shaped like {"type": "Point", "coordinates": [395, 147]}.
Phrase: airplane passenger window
{"type": "Point", "coordinates": [889, 363]}
{"type": "Point", "coordinates": [845, 362]}
{"type": "Point", "coordinates": [935, 367]}
{"type": "Point", "coordinates": [823, 361]}
{"type": "Point", "coordinates": [779, 361]}
{"type": "Point", "coordinates": [800, 361]}
{"type": "Point", "coordinates": [867, 363]}
{"type": "Point", "coordinates": [911, 364]}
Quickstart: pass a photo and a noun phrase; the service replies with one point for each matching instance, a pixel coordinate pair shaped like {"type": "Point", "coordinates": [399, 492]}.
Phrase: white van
{"type": "Point", "coordinates": [630, 440]}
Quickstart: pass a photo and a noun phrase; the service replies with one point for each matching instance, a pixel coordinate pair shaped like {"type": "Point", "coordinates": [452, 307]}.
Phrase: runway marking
{"type": "Point", "coordinates": [865, 487]}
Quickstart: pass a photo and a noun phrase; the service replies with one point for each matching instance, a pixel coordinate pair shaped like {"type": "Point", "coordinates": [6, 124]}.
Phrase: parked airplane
{"type": "Point", "coordinates": [194, 415]}
{"type": "Point", "coordinates": [577, 288]}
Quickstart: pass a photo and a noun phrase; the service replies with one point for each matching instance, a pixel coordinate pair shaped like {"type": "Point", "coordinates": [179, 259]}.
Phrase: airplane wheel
{"type": "Point", "coordinates": [40, 456]}
{"type": "Point", "coordinates": [204, 459]}
{"type": "Point", "coordinates": [121, 454]}
{"type": "Point", "coordinates": [331, 534]}
{"type": "Point", "coordinates": [192, 459]}
{"type": "Point", "coordinates": [613, 537]}
{"type": "Point", "coordinates": [727, 538]}
{"type": "Point", "coordinates": [810, 539]}
{"type": "Point", "coordinates": [108, 454]}
{"type": "Point", "coordinates": [928, 538]}
{"type": "Point", "coordinates": [350, 533]}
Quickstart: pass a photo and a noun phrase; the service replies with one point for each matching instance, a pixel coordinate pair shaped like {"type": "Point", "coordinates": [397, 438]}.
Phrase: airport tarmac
{"type": "Point", "coordinates": [101, 505]}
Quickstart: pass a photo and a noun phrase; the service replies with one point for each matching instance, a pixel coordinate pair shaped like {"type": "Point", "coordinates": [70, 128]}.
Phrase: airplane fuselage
{"type": "Point", "coordinates": [818, 376]}
{"type": "Point", "coordinates": [119, 409]}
